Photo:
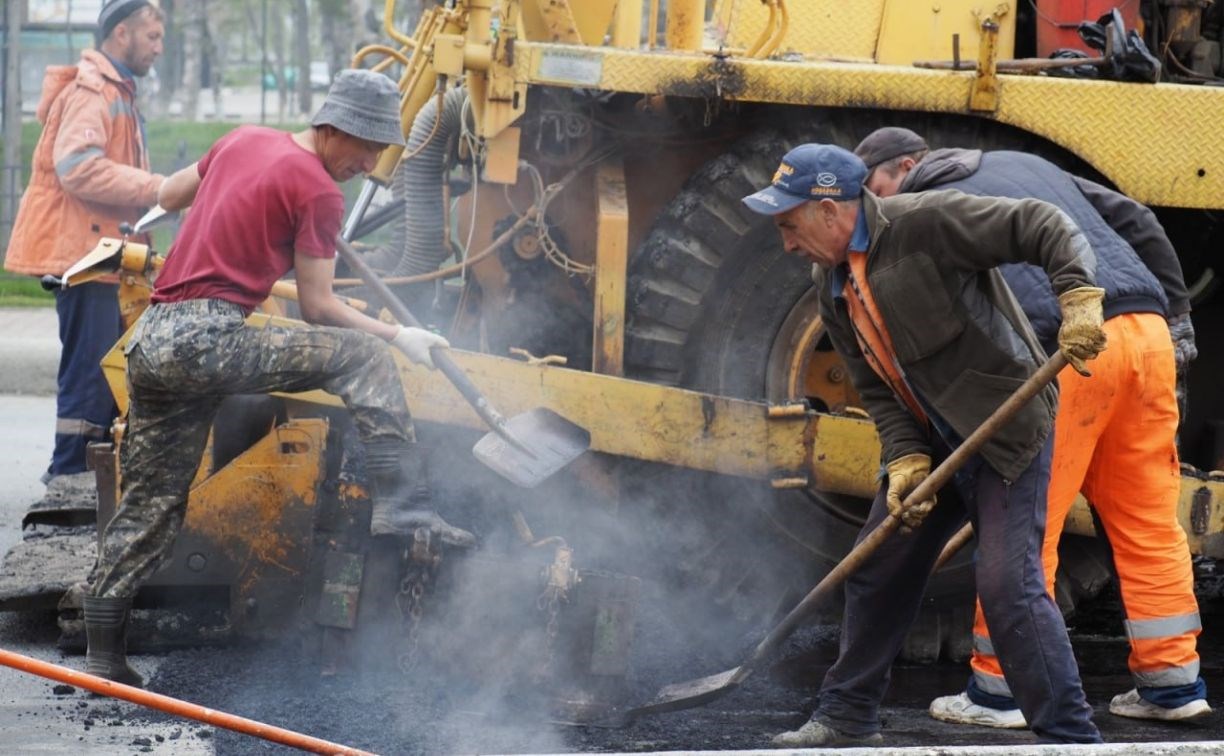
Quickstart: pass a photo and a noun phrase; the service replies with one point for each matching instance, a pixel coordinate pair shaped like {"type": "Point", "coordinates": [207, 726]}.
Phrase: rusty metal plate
{"type": "Point", "coordinates": [615, 618]}
{"type": "Point", "coordinates": [342, 572]}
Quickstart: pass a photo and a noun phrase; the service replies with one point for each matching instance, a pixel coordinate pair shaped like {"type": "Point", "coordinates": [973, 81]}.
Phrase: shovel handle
{"type": "Point", "coordinates": [1000, 417]}
{"type": "Point", "coordinates": [935, 481]}
{"type": "Point", "coordinates": [367, 274]}
{"type": "Point", "coordinates": [441, 359]}
{"type": "Point", "coordinates": [953, 546]}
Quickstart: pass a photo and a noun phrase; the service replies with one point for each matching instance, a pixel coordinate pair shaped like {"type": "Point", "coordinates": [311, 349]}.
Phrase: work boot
{"type": "Point", "coordinates": [106, 621]}
{"type": "Point", "coordinates": [401, 495]}
{"type": "Point", "coordinates": [960, 709]}
{"type": "Point", "coordinates": [816, 734]}
{"type": "Point", "coordinates": [1131, 704]}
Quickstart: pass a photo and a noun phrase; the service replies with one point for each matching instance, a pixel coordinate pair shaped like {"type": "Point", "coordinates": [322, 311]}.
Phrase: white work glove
{"type": "Point", "coordinates": [416, 343]}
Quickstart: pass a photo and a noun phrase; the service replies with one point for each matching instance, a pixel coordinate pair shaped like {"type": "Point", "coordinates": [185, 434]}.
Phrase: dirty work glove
{"type": "Point", "coordinates": [1182, 331]}
{"type": "Point", "coordinates": [416, 343]}
{"type": "Point", "coordinates": [1082, 336]}
{"type": "Point", "coordinates": [904, 475]}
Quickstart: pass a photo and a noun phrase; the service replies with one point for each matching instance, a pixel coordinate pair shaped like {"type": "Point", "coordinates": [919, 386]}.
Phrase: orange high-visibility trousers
{"type": "Point", "coordinates": [1114, 440]}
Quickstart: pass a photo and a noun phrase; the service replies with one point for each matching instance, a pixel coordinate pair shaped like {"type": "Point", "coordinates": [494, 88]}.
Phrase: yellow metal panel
{"type": "Point", "coordinates": [627, 24]}
{"type": "Point", "coordinates": [845, 456]}
{"type": "Point", "coordinates": [629, 418]}
{"type": "Point", "coordinates": [1159, 143]}
{"type": "Point", "coordinates": [240, 508]}
{"type": "Point", "coordinates": [818, 28]}
{"type": "Point", "coordinates": [448, 54]}
{"type": "Point", "coordinates": [658, 423]}
{"type": "Point", "coordinates": [593, 18]}
{"type": "Point", "coordinates": [611, 262]}
{"type": "Point", "coordinates": [552, 21]}
{"type": "Point", "coordinates": [575, 22]}
{"type": "Point", "coordinates": [675, 426]}
{"type": "Point", "coordinates": [922, 29]}
{"type": "Point", "coordinates": [502, 156]}
{"type": "Point", "coordinates": [1172, 159]}
{"type": "Point", "coordinates": [685, 24]}
{"type": "Point", "coordinates": [1201, 503]}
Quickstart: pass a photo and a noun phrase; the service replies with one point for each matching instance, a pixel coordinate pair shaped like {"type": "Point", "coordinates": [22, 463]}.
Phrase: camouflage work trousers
{"type": "Point", "coordinates": [183, 359]}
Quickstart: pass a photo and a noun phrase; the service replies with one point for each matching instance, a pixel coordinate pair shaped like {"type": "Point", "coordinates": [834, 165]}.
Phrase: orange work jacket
{"type": "Point", "coordinates": [90, 171]}
{"type": "Point", "coordinates": [872, 335]}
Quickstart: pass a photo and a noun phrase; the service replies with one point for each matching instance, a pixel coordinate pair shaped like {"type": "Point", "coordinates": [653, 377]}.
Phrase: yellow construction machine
{"type": "Point", "coordinates": [567, 211]}
{"type": "Point", "coordinates": [571, 189]}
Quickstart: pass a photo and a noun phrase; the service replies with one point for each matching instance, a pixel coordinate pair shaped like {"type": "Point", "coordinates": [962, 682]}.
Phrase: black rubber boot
{"type": "Point", "coordinates": [106, 621]}
{"type": "Point", "coordinates": [401, 496]}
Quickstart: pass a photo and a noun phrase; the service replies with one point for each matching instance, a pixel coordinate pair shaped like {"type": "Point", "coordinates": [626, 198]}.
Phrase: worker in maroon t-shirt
{"type": "Point", "coordinates": [264, 202]}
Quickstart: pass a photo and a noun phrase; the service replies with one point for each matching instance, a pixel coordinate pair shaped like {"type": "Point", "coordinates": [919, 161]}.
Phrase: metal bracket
{"type": "Point", "coordinates": [984, 97]}
{"type": "Point", "coordinates": [985, 94]}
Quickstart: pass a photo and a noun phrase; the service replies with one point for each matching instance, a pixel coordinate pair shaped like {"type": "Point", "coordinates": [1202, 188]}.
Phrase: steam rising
{"type": "Point", "coordinates": [486, 675]}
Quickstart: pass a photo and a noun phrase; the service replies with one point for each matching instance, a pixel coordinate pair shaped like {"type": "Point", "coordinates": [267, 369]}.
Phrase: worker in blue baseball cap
{"type": "Point", "coordinates": [934, 342]}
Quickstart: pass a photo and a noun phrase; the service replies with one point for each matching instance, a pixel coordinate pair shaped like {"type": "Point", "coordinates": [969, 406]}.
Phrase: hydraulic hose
{"type": "Point", "coordinates": [419, 182]}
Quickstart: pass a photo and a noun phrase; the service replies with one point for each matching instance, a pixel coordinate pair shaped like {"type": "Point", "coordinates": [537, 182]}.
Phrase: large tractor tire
{"type": "Point", "coordinates": [717, 305]}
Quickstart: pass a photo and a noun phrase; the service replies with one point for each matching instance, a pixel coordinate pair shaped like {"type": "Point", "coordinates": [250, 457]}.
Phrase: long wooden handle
{"type": "Point", "coordinates": [954, 544]}
{"type": "Point", "coordinates": [927, 488]}
{"type": "Point", "coordinates": [441, 359]}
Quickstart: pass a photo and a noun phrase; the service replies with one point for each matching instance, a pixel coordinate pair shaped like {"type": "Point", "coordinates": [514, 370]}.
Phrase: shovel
{"type": "Point", "coordinates": [526, 449]}
{"type": "Point", "coordinates": [687, 695]}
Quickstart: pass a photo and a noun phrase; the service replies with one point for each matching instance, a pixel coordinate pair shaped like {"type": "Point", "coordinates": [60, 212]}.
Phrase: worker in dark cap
{"type": "Point", "coordinates": [89, 175]}
{"type": "Point", "coordinates": [1115, 436]}
{"type": "Point", "coordinates": [911, 298]}
{"type": "Point", "coordinates": [264, 202]}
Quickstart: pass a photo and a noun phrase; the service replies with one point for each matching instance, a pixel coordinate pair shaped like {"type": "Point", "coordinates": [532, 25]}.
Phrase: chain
{"type": "Point", "coordinates": [410, 601]}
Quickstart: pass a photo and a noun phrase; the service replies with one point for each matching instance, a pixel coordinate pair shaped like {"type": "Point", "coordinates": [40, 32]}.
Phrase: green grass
{"type": "Point", "coordinates": [172, 144]}
{"type": "Point", "coordinates": [23, 291]}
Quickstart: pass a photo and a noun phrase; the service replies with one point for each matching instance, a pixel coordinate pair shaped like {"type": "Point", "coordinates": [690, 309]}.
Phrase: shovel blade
{"type": "Point", "coordinates": [546, 442]}
{"type": "Point", "coordinates": [691, 694]}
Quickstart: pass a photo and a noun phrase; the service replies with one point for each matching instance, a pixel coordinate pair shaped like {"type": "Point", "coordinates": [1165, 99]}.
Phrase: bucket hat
{"type": "Point", "coordinates": [363, 104]}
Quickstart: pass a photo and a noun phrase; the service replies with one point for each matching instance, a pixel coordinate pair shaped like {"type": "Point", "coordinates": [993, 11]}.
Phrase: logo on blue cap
{"type": "Point", "coordinates": [810, 172]}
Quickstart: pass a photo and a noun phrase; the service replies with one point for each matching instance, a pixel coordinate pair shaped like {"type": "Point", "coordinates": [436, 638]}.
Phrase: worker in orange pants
{"type": "Point", "coordinates": [1113, 440]}
{"type": "Point", "coordinates": [1114, 436]}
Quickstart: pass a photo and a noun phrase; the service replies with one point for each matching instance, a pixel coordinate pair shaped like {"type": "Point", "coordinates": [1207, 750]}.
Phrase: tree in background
{"type": "Point", "coordinates": [301, 54]}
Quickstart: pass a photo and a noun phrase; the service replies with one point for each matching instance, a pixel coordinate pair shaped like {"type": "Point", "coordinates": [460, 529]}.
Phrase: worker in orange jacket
{"type": "Point", "coordinates": [90, 174]}
{"type": "Point", "coordinates": [1114, 434]}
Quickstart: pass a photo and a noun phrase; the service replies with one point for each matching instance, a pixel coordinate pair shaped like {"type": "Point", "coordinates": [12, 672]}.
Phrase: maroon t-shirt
{"type": "Point", "coordinates": [261, 198]}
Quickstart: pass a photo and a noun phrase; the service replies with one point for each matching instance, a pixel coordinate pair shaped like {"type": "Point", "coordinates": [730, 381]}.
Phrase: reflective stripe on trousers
{"type": "Point", "coordinates": [1114, 439]}
{"type": "Point", "coordinates": [89, 326]}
